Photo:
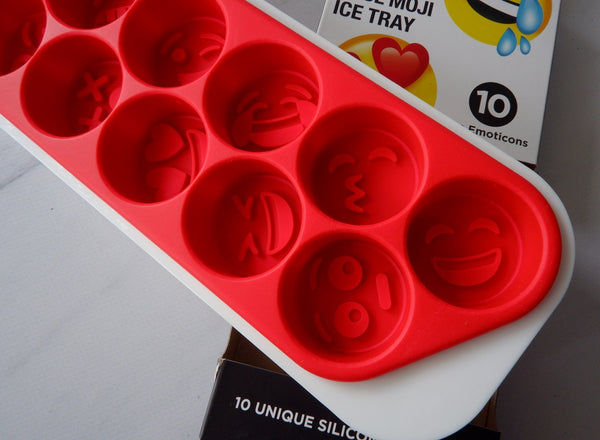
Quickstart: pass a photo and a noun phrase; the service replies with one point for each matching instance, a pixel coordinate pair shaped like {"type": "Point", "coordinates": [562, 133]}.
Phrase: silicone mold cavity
{"type": "Point", "coordinates": [78, 96]}
{"type": "Point", "coordinates": [362, 165]}
{"type": "Point", "coordinates": [152, 148]}
{"type": "Point", "coordinates": [88, 14]}
{"type": "Point", "coordinates": [22, 26]}
{"type": "Point", "coordinates": [242, 219]}
{"type": "Point", "coordinates": [345, 299]}
{"type": "Point", "coordinates": [474, 243]}
{"type": "Point", "coordinates": [173, 43]}
{"type": "Point", "coordinates": [267, 107]}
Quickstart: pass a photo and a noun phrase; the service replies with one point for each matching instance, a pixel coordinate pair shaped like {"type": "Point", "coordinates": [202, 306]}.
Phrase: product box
{"type": "Point", "coordinates": [254, 399]}
{"type": "Point", "coordinates": [484, 63]}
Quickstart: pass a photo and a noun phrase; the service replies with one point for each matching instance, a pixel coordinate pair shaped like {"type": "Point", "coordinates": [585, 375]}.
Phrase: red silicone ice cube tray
{"type": "Point", "coordinates": [353, 231]}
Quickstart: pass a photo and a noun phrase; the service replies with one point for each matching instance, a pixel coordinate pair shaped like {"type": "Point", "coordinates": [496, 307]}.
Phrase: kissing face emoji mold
{"type": "Point", "coordinates": [361, 165]}
{"type": "Point", "coordinates": [365, 177]}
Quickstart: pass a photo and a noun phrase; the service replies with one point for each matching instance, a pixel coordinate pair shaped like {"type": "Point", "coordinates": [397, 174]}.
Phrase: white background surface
{"type": "Point", "coordinates": [97, 341]}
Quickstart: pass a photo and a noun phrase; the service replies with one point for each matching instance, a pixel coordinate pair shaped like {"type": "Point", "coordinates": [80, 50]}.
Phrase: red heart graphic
{"type": "Point", "coordinates": [403, 66]}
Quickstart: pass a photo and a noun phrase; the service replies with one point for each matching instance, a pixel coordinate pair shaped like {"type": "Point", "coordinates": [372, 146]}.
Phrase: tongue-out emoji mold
{"type": "Point", "coordinates": [346, 228]}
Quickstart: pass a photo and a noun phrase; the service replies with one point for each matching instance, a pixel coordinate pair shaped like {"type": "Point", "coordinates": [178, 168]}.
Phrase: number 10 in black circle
{"type": "Point", "coordinates": [493, 104]}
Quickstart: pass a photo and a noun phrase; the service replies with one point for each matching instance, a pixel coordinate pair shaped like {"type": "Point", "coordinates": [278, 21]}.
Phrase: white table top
{"type": "Point", "coordinates": [97, 341]}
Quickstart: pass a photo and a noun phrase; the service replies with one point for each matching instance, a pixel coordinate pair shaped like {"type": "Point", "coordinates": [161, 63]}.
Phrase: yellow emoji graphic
{"type": "Point", "coordinates": [506, 24]}
{"type": "Point", "coordinates": [405, 64]}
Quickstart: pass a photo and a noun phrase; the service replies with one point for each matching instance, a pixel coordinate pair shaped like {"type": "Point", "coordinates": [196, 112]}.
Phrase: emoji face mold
{"type": "Point", "coordinates": [352, 231]}
{"type": "Point", "coordinates": [81, 94]}
{"type": "Point", "coordinates": [157, 157]}
{"type": "Point", "coordinates": [474, 244]}
{"type": "Point", "coordinates": [345, 299]}
{"type": "Point", "coordinates": [366, 173]}
{"type": "Point", "coordinates": [170, 44]}
{"type": "Point", "coordinates": [269, 106]}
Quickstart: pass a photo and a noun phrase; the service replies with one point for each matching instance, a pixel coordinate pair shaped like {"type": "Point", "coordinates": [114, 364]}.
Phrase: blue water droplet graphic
{"type": "Point", "coordinates": [507, 43]}
{"type": "Point", "coordinates": [525, 46]}
{"type": "Point", "coordinates": [530, 16]}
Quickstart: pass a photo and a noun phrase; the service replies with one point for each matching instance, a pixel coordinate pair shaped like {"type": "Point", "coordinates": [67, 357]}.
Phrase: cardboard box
{"type": "Point", "coordinates": [254, 399]}
{"type": "Point", "coordinates": [484, 63]}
